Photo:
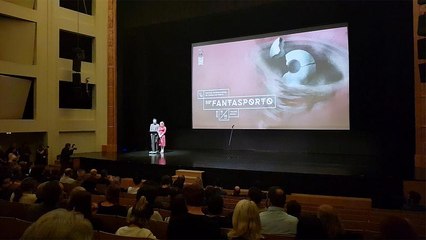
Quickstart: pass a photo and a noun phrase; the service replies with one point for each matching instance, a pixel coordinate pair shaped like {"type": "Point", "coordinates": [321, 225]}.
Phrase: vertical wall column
{"type": "Point", "coordinates": [111, 146]}
{"type": "Point", "coordinates": [420, 95]}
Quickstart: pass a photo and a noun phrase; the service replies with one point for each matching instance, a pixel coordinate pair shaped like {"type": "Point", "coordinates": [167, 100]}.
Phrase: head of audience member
{"type": "Point", "coordinates": [178, 206]}
{"type": "Point", "coordinates": [245, 221]}
{"type": "Point", "coordinates": [194, 193]}
{"type": "Point", "coordinates": [330, 221]}
{"type": "Point", "coordinates": [104, 173]}
{"type": "Point", "coordinates": [293, 208]}
{"type": "Point", "coordinates": [137, 180]}
{"type": "Point", "coordinates": [81, 174]}
{"type": "Point", "coordinates": [69, 172]}
{"type": "Point", "coordinates": [141, 213]}
{"type": "Point", "coordinates": [28, 185]}
{"type": "Point", "coordinates": [112, 194]}
{"type": "Point", "coordinates": [277, 197]}
{"type": "Point", "coordinates": [60, 224]}
{"type": "Point", "coordinates": [310, 227]}
{"type": "Point", "coordinates": [179, 182]}
{"type": "Point", "coordinates": [215, 205]}
{"type": "Point", "coordinates": [414, 198]}
{"type": "Point", "coordinates": [149, 190]}
{"type": "Point", "coordinates": [51, 193]}
{"type": "Point", "coordinates": [166, 181]}
{"type": "Point", "coordinates": [394, 227]}
{"type": "Point", "coordinates": [80, 201]}
{"type": "Point", "coordinates": [237, 191]}
{"type": "Point", "coordinates": [93, 172]}
{"type": "Point", "coordinates": [255, 195]}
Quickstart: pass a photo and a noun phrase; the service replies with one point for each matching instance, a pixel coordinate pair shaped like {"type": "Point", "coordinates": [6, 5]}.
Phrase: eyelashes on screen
{"type": "Point", "coordinates": [302, 73]}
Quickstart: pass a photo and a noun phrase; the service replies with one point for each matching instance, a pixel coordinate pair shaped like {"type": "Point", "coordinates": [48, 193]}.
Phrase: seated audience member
{"type": "Point", "coordinates": [164, 193]}
{"type": "Point", "coordinates": [137, 182]}
{"type": "Point", "coordinates": [245, 221]}
{"type": "Point", "coordinates": [293, 208]}
{"type": "Point", "coordinates": [194, 193]}
{"type": "Point", "coordinates": [104, 179]}
{"type": "Point", "coordinates": [67, 177]}
{"type": "Point", "coordinates": [90, 183]}
{"type": "Point", "coordinates": [50, 197]}
{"type": "Point", "coordinates": [275, 220]}
{"type": "Point", "coordinates": [310, 227]}
{"type": "Point", "coordinates": [6, 189]}
{"type": "Point", "coordinates": [80, 201]}
{"type": "Point", "coordinates": [111, 206]}
{"type": "Point", "coordinates": [215, 209]}
{"type": "Point", "coordinates": [149, 191]}
{"type": "Point", "coordinates": [60, 224]}
{"type": "Point", "coordinates": [179, 183]}
{"type": "Point", "coordinates": [141, 213]}
{"type": "Point", "coordinates": [413, 202]}
{"type": "Point", "coordinates": [394, 227]}
{"type": "Point", "coordinates": [256, 195]}
{"type": "Point", "coordinates": [183, 225]}
{"type": "Point", "coordinates": [210, 191]}
{"type": "Point", "coordinates": [25, 192]}
{"type": "Point", "coordinates": [237, 191]}
{"type": "Point", "coordinates": [81, 176]}
{"type": "Point", "coordinates": [332, 225]}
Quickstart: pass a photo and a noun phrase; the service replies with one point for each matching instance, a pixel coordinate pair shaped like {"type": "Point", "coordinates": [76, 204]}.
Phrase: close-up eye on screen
{"type": "Point", "coordinates": [297, 80]}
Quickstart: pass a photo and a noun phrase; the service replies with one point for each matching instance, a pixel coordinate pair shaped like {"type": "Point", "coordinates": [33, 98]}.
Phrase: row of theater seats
{"type": "Point", "coordinates": [356, 214]}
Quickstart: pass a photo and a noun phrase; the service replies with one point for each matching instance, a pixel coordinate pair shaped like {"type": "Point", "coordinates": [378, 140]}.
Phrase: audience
{"type": "Point", "coordinates": [183, 225]}
{"type": "Point", "coordinates": [80, 201]}
{"type": "Point", "coordinates": [332, 225]}
{"type": "Point", "coordinates": [90, 183]}
{"type": "Point", "coordinates": [394, 227]}
{"type": "Point", "coordinates": [149, 191]}
{"type": "Point", "coordinates": [67, 177]}
{"type": "Point", "coordinates": [140, 215]}
{"type": "Point", "coordinates": [104, 179]}
{"type": "Point", "coordinates": [25, 192]}
{"type": "Point", "coordinates": [60, 224]}
{"type": "Point", "coordinates": [215, 209]}
{"type": "Point", "coordinates": [111, 206]}
{"type": "Point", "coordinates": [310, 227]}
{"type": "Point", "coordinates": [413, 202]}
{"type": "Point", "coordinates": [275, 220]}
{"type": "Point", "coordinates": [194, 193]}
{"type": "Point", "coordinates": [50, 197]}
{"type": "Point", "coordinates": [245, 221]}
{"type": "Point", "coordinates": [293, 208]}
{"type": "Point", "coordinates": [137, 182]}
{"type": "Point", "coordinates": [179, 182]}
{"type": "Point", "coordinates": [256, 195]}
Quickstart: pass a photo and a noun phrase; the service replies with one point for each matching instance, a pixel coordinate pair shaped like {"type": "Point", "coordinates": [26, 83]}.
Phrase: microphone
{"type": "Point", "coordinates": [232, 126]}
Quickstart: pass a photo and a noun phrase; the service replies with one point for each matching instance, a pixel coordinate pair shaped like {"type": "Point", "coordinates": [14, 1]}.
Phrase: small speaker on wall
{"type": "Point", "coordinates": [422, 70]}
{"type": "Point", "coordinates": [421, 48]}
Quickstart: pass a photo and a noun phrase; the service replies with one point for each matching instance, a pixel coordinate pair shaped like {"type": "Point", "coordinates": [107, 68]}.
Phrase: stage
{"type": "Point", "coordinates": [329, 174]}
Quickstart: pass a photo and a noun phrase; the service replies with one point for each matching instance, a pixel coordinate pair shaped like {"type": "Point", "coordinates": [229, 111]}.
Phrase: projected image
{"type": "Point", "coordinates": [287, 81]}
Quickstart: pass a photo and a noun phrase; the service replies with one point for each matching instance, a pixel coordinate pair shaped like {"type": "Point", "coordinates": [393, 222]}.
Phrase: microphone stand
{"type": "Point", "coordinates": [230, 137]}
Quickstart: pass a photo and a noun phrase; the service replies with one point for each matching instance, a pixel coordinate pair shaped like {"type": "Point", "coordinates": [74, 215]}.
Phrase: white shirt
{"type": "Point", "coordinates": [134, 231]}
{"type": "Point", "coordinates": [153, 127]}
{"type": "Point", "coordinates": [132, 190]}
{"type": "Point", "coordinates": [66, 179]}
{"type": "Point", "coordinates": [276, 221]}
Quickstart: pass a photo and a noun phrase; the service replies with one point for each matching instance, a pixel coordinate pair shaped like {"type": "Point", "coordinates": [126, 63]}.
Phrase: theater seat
{"type": "Point", "coordinates": [15, 227]}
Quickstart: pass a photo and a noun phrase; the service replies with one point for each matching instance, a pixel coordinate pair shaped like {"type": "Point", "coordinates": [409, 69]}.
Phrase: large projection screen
{"type": "Point", "coordinates": [289, 80]}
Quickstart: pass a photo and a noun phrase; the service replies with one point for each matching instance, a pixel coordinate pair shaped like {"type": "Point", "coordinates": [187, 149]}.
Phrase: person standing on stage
{"type": "Point", "coordinates": [153, 129]}
{"type": "Point", "coordinates": [162, 136]}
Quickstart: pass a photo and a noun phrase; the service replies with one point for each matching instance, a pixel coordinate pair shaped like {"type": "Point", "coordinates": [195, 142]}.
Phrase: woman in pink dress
{"type": "Point", "coordinates": [162, 136]}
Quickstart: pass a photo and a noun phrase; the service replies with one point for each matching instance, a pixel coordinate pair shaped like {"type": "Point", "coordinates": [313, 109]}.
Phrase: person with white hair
{"type": "Point", "coordinates": [60, 224]}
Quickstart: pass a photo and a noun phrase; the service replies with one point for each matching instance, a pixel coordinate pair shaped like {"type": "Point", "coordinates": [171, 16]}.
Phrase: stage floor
{"type": "Point", "coordinates": [304, 163]}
